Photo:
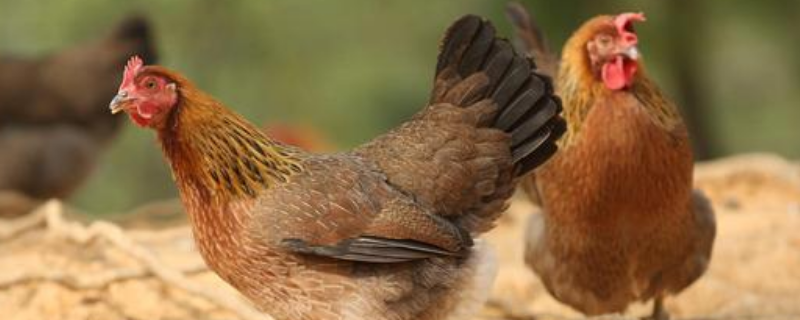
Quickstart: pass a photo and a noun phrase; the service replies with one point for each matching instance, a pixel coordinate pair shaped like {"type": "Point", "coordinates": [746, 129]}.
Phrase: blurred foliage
{"type": "Point", "coordinates": [356, 68]}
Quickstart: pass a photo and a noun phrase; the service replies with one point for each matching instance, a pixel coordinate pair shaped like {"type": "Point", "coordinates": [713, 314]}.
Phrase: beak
{"type": "Point", "coordinates": [118, 103]}
{"type": "Point", "coordinates": [631, 52]}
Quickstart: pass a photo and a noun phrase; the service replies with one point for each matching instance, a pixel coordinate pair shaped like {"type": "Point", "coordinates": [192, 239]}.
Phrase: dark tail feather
{"type": "Point", "coordinates": [527, 107]}
{"type": "Point", "coordinates": [527, 29]}
{"type": "Point", "coordinates": [530, 38]}
{"type": "Point", "coordinates": [475, 65]}
{"type": "Point", "coordinates": [539, 149]}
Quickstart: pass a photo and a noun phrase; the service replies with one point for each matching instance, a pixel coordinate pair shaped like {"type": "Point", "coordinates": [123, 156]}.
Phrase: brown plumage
{"type": "Point", "coordinates": [620, 221]}
{"type": "Point", "coordinates": [54, 122]}
{"type": "Point", "coordinates": [381, 232]}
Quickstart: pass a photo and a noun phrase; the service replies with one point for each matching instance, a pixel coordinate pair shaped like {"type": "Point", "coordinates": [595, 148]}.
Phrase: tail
{"type": "Point", "coordinates": [531, 39]}
{"type": "Point", "coordinates": [527, 109]}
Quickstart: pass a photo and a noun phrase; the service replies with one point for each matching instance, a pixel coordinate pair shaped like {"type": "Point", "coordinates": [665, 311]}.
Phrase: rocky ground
{"type": "Point", "coordinates": [145, 265]}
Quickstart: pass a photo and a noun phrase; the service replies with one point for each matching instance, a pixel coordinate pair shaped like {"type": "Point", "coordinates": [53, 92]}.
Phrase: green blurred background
{"type": "Point", "coordinates": [353, 69]}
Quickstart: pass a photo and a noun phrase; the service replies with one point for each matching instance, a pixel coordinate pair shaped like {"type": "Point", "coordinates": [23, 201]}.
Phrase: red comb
{"type": "Point", "coordinates": [131, 69]}
{"type": "Point", "coordinates": [623, 23]}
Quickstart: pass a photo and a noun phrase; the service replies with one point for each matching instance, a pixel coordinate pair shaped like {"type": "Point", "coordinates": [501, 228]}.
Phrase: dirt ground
{"type": "Point", "coordinates": [145, 266]}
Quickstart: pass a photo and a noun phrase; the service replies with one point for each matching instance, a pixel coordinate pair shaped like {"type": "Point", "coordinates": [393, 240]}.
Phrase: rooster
{"type": "Point", "coordinates": [620, 221]}
{"type": "Point", "coordinates": [385, 231]}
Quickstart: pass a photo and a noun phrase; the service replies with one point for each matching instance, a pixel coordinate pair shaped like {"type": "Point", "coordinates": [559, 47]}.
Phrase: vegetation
{"type": "Point", "coordinates": [356, 68]}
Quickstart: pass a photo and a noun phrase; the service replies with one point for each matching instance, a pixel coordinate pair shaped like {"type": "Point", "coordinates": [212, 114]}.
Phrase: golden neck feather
{"type": "Point", "coordinates": [219, 154]}
{"type": "Point", "coordinates": [579, 88]}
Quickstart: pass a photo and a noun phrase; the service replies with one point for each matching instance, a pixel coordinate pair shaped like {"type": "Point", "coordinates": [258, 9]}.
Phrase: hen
{"type": "Point", "coordinates": [384, 231]}
{"type": "Point", "coordinates": [620, 221]}
{"type": "Point", "coordinates": [53, 116]}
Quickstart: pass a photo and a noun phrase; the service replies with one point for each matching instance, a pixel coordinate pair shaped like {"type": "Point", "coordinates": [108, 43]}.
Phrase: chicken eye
{"type": "Point", "coordinates": [150, 84]}
{"type": "Point", "coordinates": [604, 40]}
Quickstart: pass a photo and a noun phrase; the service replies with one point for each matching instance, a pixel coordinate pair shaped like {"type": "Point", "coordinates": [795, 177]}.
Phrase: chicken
{"type": "Point", "coordinates": [385, 231]}
{"type": "Point", "coordinates": [620, 222]}
{"type": "Point", "coordinates": [53, 117]}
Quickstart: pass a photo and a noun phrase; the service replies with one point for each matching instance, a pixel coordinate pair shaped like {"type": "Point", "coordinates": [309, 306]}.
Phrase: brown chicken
{"type": "Point", "coordinates": [620, 222]}
{"type": "Point", "coordinates": [53, 117]}
{"type": "Point", "coordinates": [385, 231]}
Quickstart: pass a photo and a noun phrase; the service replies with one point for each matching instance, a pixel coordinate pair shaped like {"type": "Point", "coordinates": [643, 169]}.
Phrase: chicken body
{"type": "Point", "coordinates": [324, 206]}
{"type": "Point", "coordinates": [53, 117]}
{"type": "Point", "coordinates": [620, 222]}
{"type": "Point", "coordinates": [381, 232]}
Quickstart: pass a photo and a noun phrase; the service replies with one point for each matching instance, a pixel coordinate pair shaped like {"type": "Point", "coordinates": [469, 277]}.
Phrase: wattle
{"type": "Point", "coordinates": [144, 113]}
{"type": "Point", "coordinates": [138, 120]}
{"type": "Point", "coordinates": [618, 74]}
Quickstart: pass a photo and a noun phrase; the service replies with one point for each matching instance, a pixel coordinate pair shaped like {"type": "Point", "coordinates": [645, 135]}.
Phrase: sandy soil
{"type": "Point", "coordinates": [56, 268]}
